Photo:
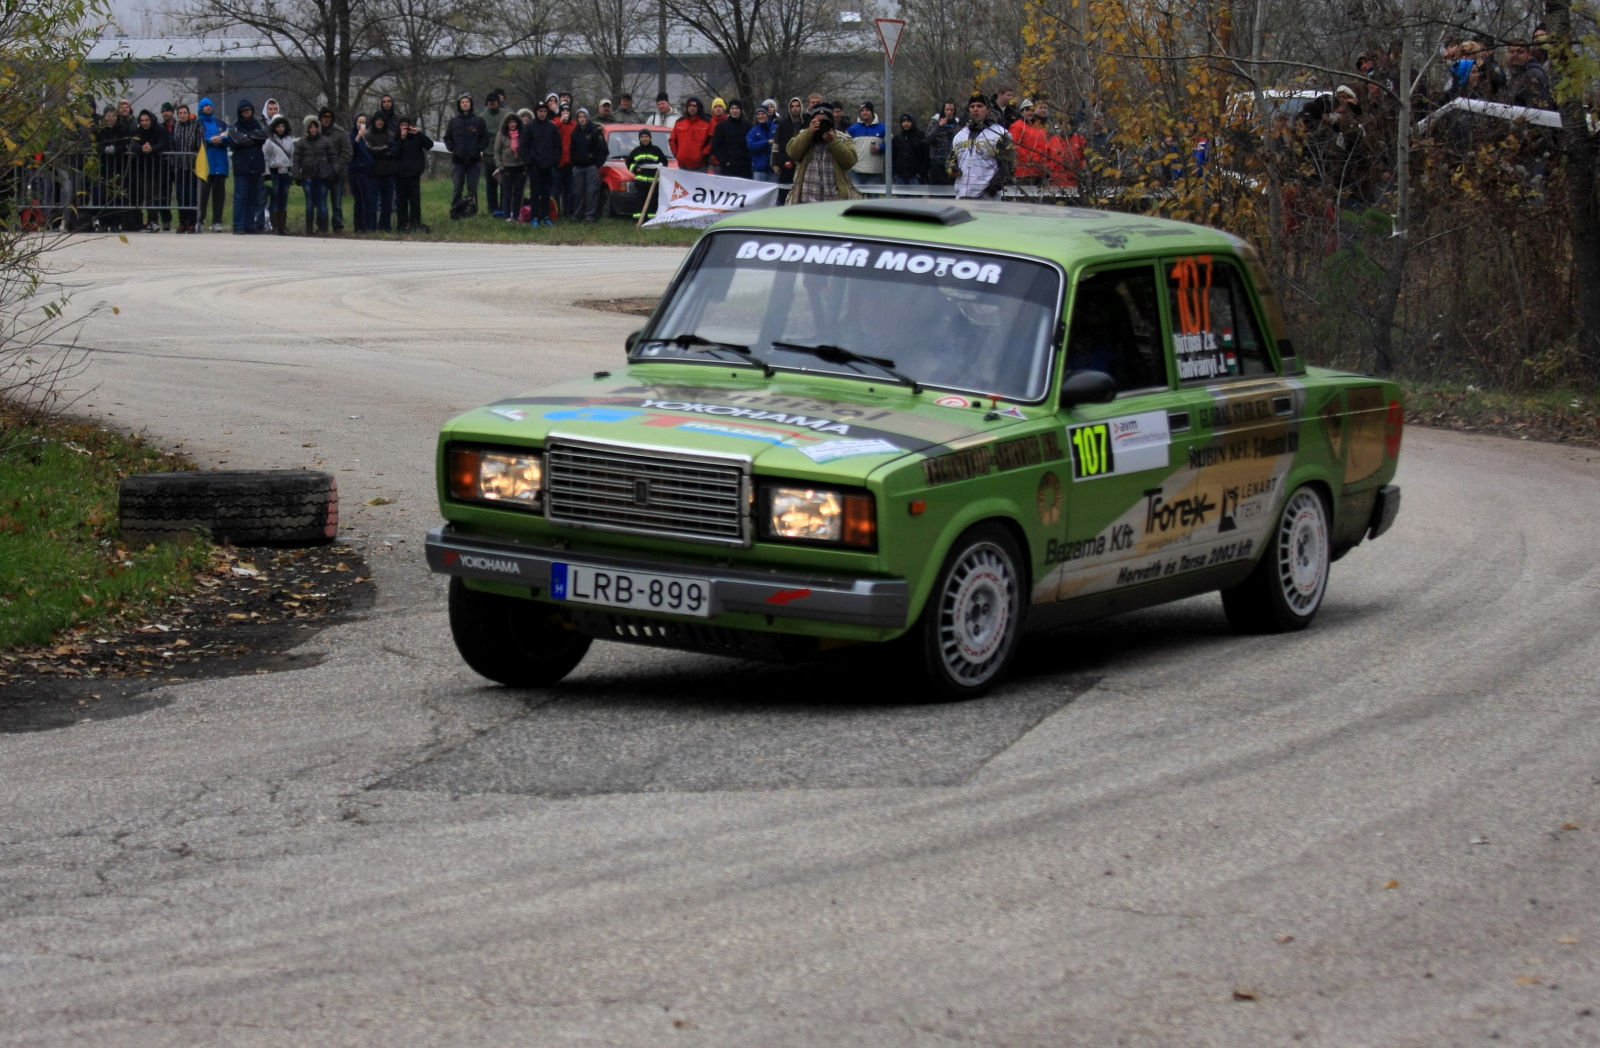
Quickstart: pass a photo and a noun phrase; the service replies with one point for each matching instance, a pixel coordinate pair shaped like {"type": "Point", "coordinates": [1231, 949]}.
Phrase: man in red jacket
{"type": "Point", "coordinates": [1032, 136]}
{"type": "Point", "coordinates": [691, 137]}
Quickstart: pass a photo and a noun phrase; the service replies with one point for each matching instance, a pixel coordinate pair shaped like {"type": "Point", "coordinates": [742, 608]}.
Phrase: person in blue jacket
{"type": "Point", "coordinates": [214, 132]}
{"type": "Point", "coordinates": [759, 139]}
{"type": "Point", "coordinates": [247, 137]}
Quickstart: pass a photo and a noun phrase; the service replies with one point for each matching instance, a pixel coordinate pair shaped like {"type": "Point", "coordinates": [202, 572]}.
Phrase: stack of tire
{"type": "Point", "coordinates": [266, 507]}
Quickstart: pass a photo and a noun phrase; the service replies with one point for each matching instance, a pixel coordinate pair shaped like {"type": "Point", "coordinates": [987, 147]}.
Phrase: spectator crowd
{"type": "Point", "coordinates": [169, 171]}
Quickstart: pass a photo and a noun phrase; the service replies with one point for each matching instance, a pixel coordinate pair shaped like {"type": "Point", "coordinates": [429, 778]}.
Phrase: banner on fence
{"type": "Point", "coordinates": [688, 198]}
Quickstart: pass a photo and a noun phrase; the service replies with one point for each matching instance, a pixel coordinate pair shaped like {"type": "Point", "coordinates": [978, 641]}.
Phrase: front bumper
{"type": "Point", "coordinates": [825, 598]}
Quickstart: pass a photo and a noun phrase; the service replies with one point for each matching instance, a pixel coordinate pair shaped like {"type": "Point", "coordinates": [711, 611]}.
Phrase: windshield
{"type": "Point", "coordinates": [953, 319]}
{"type": "Point", "coordinates": [621, 143]}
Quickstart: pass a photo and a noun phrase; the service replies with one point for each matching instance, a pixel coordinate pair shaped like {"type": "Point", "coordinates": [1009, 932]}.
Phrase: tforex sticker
{"type": "Point", "coordinates": [1120, 445]}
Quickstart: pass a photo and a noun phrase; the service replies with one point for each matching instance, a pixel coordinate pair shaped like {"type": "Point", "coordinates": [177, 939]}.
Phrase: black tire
{"type": "Point", "coordinates": [518, 643]}
{"type": "Point", "coordinates": [968, 632]}
{"type": "Point", "coordinates": [267, 507]}
{"type": "Point", "coordinates": [1285, 589]}
{"type": "Point", "coordinates": [603, 208]}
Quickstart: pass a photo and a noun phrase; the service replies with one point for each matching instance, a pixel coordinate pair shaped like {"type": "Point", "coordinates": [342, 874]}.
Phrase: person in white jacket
{"type": "Point", "coordinates": [279, 155]}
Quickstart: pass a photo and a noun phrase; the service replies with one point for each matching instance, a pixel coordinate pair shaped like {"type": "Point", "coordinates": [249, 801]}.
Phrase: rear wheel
{"type": "Point", "coordinates": [603, 209]}
{"type": "Point", "coordinates": [969, 629]}
{"type": "Point", "coordinates": [1286, 588]}
{"type": "Point", "coordinates": [518, 643]}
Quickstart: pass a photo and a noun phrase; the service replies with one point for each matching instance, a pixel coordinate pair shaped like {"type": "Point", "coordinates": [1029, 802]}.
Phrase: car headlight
{"type": "Point", "coordinates": [496, 476]}
{"type": "Point", "coordinates": [823, 515]}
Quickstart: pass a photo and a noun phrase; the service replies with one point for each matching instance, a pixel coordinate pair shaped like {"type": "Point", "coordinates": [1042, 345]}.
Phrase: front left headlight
{"type": "Point", "coordinates": [503, 477]}
{"type": "Point", "coordinates": [822, 515]}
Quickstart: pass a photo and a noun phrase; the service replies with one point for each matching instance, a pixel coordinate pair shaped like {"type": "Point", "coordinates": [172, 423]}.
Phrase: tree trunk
{"type": "Point", "coordinates": [346, 59]}
{"type": "Point", "coordinates": [1578, 152]}
{"type": "Point", "coordinates": [1394, 280]}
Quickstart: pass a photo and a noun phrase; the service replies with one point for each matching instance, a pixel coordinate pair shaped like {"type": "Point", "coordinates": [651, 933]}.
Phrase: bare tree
{"type": "Point", "coordinates": [610, 31]}
{"type": "Point", "coordinates": [323, 40]}
{"type": "Point", "coordinates": [771, 46]}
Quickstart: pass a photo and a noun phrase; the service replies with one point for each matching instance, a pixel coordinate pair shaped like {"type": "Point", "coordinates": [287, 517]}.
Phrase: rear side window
{"type": "Point", "coordinates": [1116, 328]}
{"type": "Point", "coordinates": [1214, 332]}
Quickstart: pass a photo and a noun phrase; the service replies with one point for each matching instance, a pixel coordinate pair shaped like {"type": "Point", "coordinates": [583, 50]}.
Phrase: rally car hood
{"type": "Point", "coordinates": [789, 424]}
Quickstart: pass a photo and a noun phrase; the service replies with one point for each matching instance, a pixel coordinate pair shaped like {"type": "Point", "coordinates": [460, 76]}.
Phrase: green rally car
{"type": "Point", "coordinates": [927, 427]}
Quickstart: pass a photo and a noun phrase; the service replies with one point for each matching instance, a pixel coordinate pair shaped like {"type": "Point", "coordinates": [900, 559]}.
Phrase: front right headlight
{"type": "Point", "coordinates": [822, 515]}
{"type": "Point", "coordinates": [500, 477]}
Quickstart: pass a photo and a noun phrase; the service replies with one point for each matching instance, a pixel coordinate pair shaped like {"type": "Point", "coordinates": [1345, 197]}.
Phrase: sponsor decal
{"type": "Point", "coordinates": [953, 401]}
{"type": "Point", "coordinates": [848, 254]}
{"type": "Point", "coordinates": [978, 461]}
{"type": "Point", "coordinates": [821, 425]}
{"type": "Point", "coordinates": [1049, 501]}
{"type": "Point", "coordinates": [1185, 562]}
{"type": "Point", "coordinates": [1010, 411]}
{"type": "Point", "coordinates": [842, 449]}
{"type": "Point", "coordinates": [499, 565]}
{"type": "Point", "coordinates": [1231, 414]}
{"type": "Point", "coordinates": [1242, 450]}
{"type": "Point", "coordinates": [514, 414]}
{"type": "Point", "coordinates": [1185, 513]}
{"type": "Point", "coordinates": [1120, 445]}
{"type": "Point", "coordinates": [1118, 538]}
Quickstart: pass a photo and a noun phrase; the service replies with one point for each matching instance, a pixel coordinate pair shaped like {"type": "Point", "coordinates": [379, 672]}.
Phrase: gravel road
{"type": "Point", "coordinates": [1385, 831]}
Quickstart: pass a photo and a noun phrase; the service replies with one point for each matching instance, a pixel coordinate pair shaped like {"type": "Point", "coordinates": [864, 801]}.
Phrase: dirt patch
{"type": "Point", "coordinates": [246, 611]}
{"type": "Point", "coordinates": [1465, 413]}
{"type": "Point", "coordinates": [634, 307]}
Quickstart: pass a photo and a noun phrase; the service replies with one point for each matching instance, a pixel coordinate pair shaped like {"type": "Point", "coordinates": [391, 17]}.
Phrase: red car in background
{"type": "Point", "coordinates": [620, 193]}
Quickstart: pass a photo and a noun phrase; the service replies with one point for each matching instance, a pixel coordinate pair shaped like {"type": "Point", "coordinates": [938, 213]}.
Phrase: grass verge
{"type": "Point", "coordinates": [61, 563]}
{"type": "Point", "coordinates": [1557, 416]}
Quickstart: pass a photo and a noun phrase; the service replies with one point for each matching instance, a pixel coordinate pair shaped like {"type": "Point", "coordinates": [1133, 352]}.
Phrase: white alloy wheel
{"type": "Point", "coordinates": [1303, 551]}
{"type": "Point", "coordinates": [976, 614]}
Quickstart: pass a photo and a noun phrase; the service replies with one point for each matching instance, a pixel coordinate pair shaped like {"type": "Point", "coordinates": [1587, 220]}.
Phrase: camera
{"type": "Point", "coordinates": [826, 114]}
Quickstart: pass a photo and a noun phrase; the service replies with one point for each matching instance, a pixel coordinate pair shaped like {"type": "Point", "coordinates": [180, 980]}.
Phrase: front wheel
{"type": "Point", "coordinates": [1286, 588]}
{"type": "Point", "coordinates": [969, 629]}
{"type": "Point", "coordinates": [518, 643]}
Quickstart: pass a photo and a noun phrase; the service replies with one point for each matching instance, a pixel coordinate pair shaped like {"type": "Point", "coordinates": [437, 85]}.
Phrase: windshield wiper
{"type": "Point", "coordinates": [840, 355]}
{"type": "Point", "coordinates": [689, 340]}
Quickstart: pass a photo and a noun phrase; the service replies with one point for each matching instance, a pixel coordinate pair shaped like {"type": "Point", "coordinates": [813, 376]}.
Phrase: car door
{"type": "Point", "coordinates": [1116, 451]}
{"type": "Point", "coordinates": [1237, 429]}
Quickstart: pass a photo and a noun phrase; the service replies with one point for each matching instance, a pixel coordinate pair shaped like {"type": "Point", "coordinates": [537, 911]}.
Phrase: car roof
{"type": "Point", "coordinates": [1073, 237]}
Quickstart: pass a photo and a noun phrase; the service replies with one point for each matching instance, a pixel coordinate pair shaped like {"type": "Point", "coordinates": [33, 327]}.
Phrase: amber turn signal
{"type": "Point", "coordinates": [463, 473]}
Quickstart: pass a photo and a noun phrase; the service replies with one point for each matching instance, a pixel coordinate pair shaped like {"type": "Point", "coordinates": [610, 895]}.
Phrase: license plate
{"type": "Point", "coordinates": [634, 590]}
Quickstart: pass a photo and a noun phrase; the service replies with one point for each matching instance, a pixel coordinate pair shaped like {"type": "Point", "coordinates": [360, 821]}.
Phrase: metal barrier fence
{"type": "Point", "coordinates": [98, 192]}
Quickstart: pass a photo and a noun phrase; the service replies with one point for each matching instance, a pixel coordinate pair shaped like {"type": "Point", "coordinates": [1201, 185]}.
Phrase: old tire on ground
{"type": "Point", "coordinates": [969, 629]}
{"type": "Point", "coordinates": [1288, 583]}
{"type": "Point", "coordinates": [515, 642]}
{"type": "Point", "coordinates": [265, 507]}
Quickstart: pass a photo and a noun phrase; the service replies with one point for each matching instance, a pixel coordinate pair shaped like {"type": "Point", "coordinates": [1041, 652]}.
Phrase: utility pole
{"type": "Point", "coordinates": [661, 47]}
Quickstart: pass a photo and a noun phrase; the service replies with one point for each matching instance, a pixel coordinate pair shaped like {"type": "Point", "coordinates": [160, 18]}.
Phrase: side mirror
{"type": "Point", "coordinates": [1088, 387]}
{"type": "Point", "coordinates": [633, 339]}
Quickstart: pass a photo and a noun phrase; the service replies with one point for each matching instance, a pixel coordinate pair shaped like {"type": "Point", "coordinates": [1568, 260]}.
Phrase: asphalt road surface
{"type": "Point", "coordinates": [1156, 834]}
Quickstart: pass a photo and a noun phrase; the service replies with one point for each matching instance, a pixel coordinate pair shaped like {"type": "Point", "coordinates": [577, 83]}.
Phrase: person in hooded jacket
{"type": "Point", "coordinates": [248, 137]}
{"type": "Point", "coordinates": [466, 136]}
{"type": "Point", "coordinates": [728, 148]}
{"type": "Point", "coordinates": [509, 171]}
{"type": "Point", "coordinates": [147, 170]}
{"type": "Point", "coordinates": [541, 156]}
{"type": "Point", "coordinates": [758, 140]}
{"type": "Point", "coordinates": [411, 162]}
{"type": "Point", "coordinates": [366, 205]}
{"type": "Point", "coordinates": [215, 132]}
{"type": "Point", "coordinates": [381, 143]}
{"type": "Point", "coordinates": [587, 151]}
{"type": "Point", "coordinates": [111, 149]}
{"type": "Point", "coordinates": [341, 145]}
{"type": "Point", "coordinates": [910, 153]}
{"type": "Point", "coordinates": [563, 188]}
{"type": "Point", "coordinates": [278, 152]}
{"type": "Point", "coordinates": [941, 138]}
{"type": "Point", "coordinates": [316, 168]}
{"type": "Point", "coordinates": [690, 140]}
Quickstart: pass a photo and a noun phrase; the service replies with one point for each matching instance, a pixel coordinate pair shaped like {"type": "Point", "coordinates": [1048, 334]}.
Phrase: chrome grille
{"type": "Point", "coordinates": [645, 492]}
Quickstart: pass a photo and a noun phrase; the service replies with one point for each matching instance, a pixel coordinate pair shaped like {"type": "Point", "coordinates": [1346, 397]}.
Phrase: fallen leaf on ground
{"type": "Point", "coordinates": [1568, 940]}
{"type": "Point", "coordinates": [1527, 980]}
{"type": "Point", "coordinates": [1570, 826]}
{"type": "Point", "coordinates": [381, 502]}
{"type": "Point", "coordinates": [1392, 884]}
{"type": "Point", "coordinates": [1479, 840]}
{"type": "Point", "coordinates": [245, 569]}
{"type": "Point", "coordinates": [1244, 993]}
{"type": "Point", "coordinates": [1285, 938]}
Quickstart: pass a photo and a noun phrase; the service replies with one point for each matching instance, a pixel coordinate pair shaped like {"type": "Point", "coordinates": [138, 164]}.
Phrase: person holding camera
{"type": "Point", "coordinates": [410, 162]}
{"type": "Point", "coordinates": [822, 161]}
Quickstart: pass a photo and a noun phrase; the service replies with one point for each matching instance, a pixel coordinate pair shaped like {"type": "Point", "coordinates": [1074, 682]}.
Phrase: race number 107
{"type": "Point", "coordinates": [1091, 451]}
